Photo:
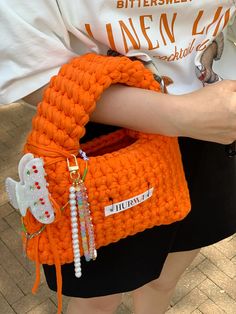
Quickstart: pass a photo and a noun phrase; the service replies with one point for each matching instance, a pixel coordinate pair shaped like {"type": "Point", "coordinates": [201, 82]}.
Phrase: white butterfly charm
{"type": "Point", "coordinates": [31, 192]}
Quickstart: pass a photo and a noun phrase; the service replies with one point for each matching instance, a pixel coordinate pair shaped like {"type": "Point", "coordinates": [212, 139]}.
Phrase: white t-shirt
{"type": "Point", "coordinates": [37, 37]}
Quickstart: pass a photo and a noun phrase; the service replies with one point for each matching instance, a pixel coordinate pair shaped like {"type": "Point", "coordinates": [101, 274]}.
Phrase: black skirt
{"type": "Point", "coordinates": [137, 260]}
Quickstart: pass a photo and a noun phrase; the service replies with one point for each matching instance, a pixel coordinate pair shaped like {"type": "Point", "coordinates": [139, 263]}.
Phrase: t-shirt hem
{"type": "Point", "coordinates": [23, 87]}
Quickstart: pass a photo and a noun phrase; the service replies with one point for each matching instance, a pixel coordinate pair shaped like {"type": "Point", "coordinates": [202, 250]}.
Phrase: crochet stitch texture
{"type": "Point", "coordinates": [121, 165]}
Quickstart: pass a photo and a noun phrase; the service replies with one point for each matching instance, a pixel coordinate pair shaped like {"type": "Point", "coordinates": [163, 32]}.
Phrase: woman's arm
{"type": "Point", "coordinates": [207, 114]}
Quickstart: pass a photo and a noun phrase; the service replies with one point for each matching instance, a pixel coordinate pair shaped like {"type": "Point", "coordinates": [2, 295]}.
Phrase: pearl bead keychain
{"type": "Point", "coordinates": [79, 205]}
{"type": "Point", "coordinates": [74, 231]}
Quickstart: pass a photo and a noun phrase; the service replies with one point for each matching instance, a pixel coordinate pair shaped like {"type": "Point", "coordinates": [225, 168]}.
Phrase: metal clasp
{"type": "Point", "coordinates": [73, 169]}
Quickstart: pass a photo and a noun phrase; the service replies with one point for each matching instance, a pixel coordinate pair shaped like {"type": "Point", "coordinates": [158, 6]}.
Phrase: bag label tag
{"type": "Point", "coordinates": [129, 203]}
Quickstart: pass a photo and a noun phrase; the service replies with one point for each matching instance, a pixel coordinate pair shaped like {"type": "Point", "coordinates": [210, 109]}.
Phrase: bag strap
{"type": "Point", "coordinates": [71, 97]}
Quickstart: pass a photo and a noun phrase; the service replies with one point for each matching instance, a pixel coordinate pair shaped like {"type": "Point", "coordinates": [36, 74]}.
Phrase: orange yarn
{"type": "Point", "coordinates": [129, 162]}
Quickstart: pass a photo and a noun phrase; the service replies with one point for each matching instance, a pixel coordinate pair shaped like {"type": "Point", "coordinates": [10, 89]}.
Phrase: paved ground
{"type": "Point", "coordinates": [208, 286]}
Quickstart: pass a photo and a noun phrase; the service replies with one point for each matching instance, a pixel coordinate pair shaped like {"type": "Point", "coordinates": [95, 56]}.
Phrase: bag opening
{"type": "Point", "coordinates": [102, 139]}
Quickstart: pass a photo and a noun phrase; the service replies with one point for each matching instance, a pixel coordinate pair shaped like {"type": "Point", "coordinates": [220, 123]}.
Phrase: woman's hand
{"type": "Point", "coordinates": [209, 113]}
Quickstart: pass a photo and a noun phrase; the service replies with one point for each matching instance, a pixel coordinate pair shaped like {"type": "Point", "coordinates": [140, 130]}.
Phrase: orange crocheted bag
{"type": "Point", "coordinates": [134, 181]}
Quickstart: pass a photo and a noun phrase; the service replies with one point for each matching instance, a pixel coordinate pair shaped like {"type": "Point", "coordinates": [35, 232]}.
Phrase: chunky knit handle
{"type": "Point", "coordinates": [72, 95]}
